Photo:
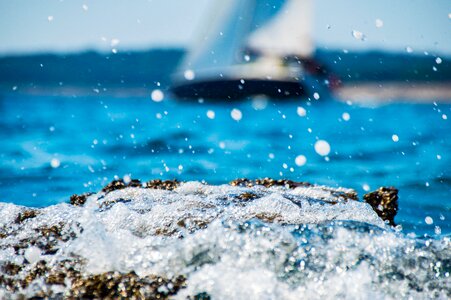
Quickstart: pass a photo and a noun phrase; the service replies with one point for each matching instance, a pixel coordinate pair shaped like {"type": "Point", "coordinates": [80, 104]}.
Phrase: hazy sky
{"type": "Point", "coordinates": [71, 25]}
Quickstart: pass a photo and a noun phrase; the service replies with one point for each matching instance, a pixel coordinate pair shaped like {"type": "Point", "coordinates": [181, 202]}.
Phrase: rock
{"type": "Point", "coordinates": [114, 185]}
{"type": "Point", "coordinates": [10, 268]}
{"type": "Point", "coordinates": [121, 184]}
{"type": "Point", "coordinates": [79, 200]}
{"type": "Point", "coordinates": [384, 202]}
{"type": "Point", "coordinates": [162, 184]}
{"type": "Point", "coordinates": [247, 196]}
{"type": "Point", "coordinates": [115, 285]}
{"type": "Point", "coordinates": [200, 296]}
{"type": "Point", "coordinates": [28, 214]}
{"type": "Point", "coordinates": [268, 182]}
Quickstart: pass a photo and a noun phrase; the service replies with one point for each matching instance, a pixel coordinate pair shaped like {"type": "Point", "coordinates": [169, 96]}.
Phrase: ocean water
{"type": "Point", "coordinates": [56, 146]}
{"type": "Point", "coordinates": [205, 238]}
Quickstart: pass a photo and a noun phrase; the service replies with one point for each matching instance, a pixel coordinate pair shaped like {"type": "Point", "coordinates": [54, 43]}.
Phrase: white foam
{"type": "Point", "coordinates": [276, 243]}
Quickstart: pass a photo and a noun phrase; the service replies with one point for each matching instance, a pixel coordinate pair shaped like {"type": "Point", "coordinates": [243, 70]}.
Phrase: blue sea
{"type": "Point", "coordinates": [56, 146]}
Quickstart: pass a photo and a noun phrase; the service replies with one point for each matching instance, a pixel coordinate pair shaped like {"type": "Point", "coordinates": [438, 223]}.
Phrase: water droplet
{"type": "Point", "coordinates": [439, 157]}
{"type": "Point", "coordinates": [114, 42]}
{"type": "Point", "coordinates": [32, 254]}
{"type": "Point", "coordinates": [438, 60]}
{"type": "Point", "coordinates": [127, 179]}
{"type": "Point", "coordinates": [322, 147]}
{"type": "Point", "coordinates": [346, 116]}
{"type": "Point", "coordinates": [157, 95]}
{"type": "Point", "coordinates": [210, 114]}
{"type": "Point", "coordinates": [259, 103]}
{"type": "Point", "coordinates": [301, 111]}
{"type": "Point", "coordinates": [236, 114]}
{"type": "Point", "coordinates": [444, 117]}
{"type": "Point", "coordinates": [50, 18]}
{"type": "Point", "coordinates": [189, 75]}
{"type": "Point", "coordinates": [55, 163]}
{"type": "Point", "coordinates": [395, 138]}
{"type": "Point", "coordinates": [85, 7]}
{"type": "Point", "coordinates": [247, 57]}
{"type": "Point", "coordinates": [437, 230]}
{"type": "Point", "coordinates": [409, 49]}
{"type": "Point", "coordinates": [366, 187]}
{"type": "Point", "coordinates": [316, 96]}
{"type": "Point", "coordinates": [300, 160]}
{"type": "Point", "coordinates": [358, 35]}
{"type": "Point", "coordinates": [379, 23]}
{"type": "Point", "coordinates": [429, 220]}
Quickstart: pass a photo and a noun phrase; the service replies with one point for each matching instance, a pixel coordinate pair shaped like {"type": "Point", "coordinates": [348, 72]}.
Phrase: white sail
{"type": "Point", "coordinates": [225, 34]}
{"type": "Point", "coordinates": [288, 33]}
{"type": "Point", "coordinates": [221, 36]}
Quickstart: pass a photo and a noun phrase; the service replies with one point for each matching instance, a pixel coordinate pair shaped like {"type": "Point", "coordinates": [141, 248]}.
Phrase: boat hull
{"type": "Point", "coordinates": [235, 89]}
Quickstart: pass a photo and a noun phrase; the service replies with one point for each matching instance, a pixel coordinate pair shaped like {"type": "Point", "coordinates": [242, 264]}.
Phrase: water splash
{"type": "Point", "coordinates": [240, 241]}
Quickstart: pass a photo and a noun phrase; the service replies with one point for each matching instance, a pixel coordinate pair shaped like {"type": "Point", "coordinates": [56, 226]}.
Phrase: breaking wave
{"type": "Point", "coordinates": [198, 241]}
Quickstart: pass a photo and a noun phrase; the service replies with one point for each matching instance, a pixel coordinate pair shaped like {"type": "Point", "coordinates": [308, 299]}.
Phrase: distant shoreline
{"type": "Point", "coordinates": [387, 92]}
{"type": "Point", "coordinates": [356, 92]}
{"type": "Point", "coordinates": [80, 90]}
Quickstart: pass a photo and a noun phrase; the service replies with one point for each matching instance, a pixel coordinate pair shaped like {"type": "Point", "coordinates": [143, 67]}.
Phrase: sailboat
{"type": "Point", "coordinates": [253, 47]}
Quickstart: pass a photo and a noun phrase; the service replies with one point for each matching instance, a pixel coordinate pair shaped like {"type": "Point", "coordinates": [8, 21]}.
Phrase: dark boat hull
{"type": "Point", "coordinates": [235, 89]}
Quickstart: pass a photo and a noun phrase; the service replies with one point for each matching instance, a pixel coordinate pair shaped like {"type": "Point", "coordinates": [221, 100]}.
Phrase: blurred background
{"type": "Point", "coordinates": [85, 97]}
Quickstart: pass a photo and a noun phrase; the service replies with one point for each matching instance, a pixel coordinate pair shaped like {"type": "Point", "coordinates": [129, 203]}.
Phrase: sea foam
{"type": "Point", "coordinates": [223, 242]}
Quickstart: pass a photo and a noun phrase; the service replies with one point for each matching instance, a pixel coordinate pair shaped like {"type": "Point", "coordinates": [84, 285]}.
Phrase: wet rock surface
{"type": "Point", "coordinates": [28, 214]}
{"type": "Point", "coordinates": [165, 238]}
{"type": "Point", "coordinates": [79, 200]}
{"type": "Point", "coordinates": [268, 182]}
{"type": "Point", "coordinates": [114, 285]}
{"type": "Point", "coordinates": [384, 201]}
{"type": "Point", "coordinates": [168, 185]}
{"type": "Point", "coordinates": [65, 280]}
{"type": "Point", "coordinates": [115, 185]}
